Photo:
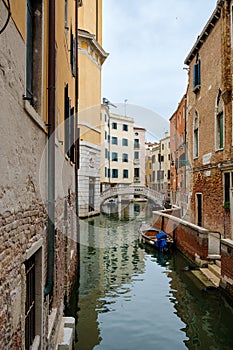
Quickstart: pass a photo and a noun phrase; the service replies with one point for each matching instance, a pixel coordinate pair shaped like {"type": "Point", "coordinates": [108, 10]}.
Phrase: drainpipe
{"type": "Point", "coordinates": [51, 148]}
{"type": "Point", "coordinates": [77, 139]}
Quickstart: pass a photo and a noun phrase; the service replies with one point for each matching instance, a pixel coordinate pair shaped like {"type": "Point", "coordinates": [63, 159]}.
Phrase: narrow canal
{"type": "Point", "coordinates": [130, 297]}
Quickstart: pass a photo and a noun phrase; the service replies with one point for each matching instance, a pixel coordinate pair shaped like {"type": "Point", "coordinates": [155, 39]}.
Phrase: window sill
{"type": "Point", "coordinates": [34, 115]}
{"type": "Point", "coordinates": [219, 149]}
{"type": "Point", "coordinates": [197, 89]}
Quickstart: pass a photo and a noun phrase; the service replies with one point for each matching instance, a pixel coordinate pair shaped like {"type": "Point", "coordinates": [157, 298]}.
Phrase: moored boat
{"type": "Point", "coordinates": [157, 239]}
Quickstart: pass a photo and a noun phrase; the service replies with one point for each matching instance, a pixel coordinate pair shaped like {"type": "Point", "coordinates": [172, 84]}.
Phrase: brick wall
{"type": "Point", "coordinates": [227, 265]}
{"type": "Point", "coordinates": [190, 239]}
{"type": "Point", "coordinates": [18, 232]}
{"type": "Point", "coordinates": [207, 169]}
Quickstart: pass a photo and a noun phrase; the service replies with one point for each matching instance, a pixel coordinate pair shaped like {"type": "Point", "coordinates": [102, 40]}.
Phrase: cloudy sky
{"type": "Point", "coordinates": [148, 42]}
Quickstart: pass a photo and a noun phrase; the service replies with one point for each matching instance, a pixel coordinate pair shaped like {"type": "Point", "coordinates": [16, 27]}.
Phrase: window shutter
{"type": "Point", "coordinates": [30, 22]}
{"type": "Point", "coordinates": [67, 115]}
{"type": "Point", "coordinates": [72, 54]}
{"type": "Point", "coordinates": [71, 135]}
{"type": "Point", "coordinates": [197, 74]}
{"type": "Point", "coordinates": [74, 58]}
{"type": "Point", "coordinates": [220, 117]}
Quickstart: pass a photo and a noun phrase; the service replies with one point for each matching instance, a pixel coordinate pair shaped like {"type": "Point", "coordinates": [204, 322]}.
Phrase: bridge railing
{"type": "Point", "coordinates": [132, 189]}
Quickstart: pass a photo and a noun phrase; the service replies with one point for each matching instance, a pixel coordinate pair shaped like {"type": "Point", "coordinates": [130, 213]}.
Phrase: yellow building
{"type": "Point", "coordinates": [91, 58]}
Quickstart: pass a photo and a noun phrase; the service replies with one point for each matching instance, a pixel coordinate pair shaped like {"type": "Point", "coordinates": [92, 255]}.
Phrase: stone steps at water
{"type": "Point", "coordinates": [215, 269]}
{"type": "Point", "coordinates": [212, 273]}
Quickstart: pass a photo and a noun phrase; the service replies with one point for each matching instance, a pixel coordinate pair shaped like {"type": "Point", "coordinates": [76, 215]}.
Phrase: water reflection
{"type": "Point", "coordinates": [207, 314]}
{"type": "Point", "coordinates": [132, 297]}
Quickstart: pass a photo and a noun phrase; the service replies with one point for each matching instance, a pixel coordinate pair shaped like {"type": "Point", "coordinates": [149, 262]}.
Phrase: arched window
{"type": "Point", "coordinates": [195, 135]}
{"type": "Point", "coordinates": [219, 122]}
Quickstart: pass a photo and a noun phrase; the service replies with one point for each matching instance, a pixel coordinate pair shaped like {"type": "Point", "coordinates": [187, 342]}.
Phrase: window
{"type": "Point", "coordinates": [34, 53]}
{"type": "Point", "coordinates": [66, 118]}
{"type": "Point", "coordinates": [160, 158]}
{"type": "Point", "coordinates": [220, 130]}
{"type": "Point", "coordinates": [33, 291]}
{"type": "Point", "coordinates": [106, 153]}
{"type": "Point", "coordinates": [168, 174]}
{"type": "Point", "coordinates": [114, 156]}
{"type": "Point", "coordinates": [71, 136]}
{"type": "Point", "coordinates": [227, 187]}
{"type": "Point", "coordinates": [114, 173]}
{"type": "Point", "coordinates": [195, 136]}
{"type": "Point", "coordinates": [160, 175]}
{"type": "Point", "coordinates": [125, 127]}
{"type": "Point", "coordinates": [125, 174]}
{"type": "Point", "coordinates": [136, 155]}
{"type": "Point", "coordinates": [182, 160]}
{"type": "Point", "coordinates": [197, 75]}
{"type": "Point", "coordinates": [105, 135]}
{"type": "Point", "coordinates": [66, 19]}
{"type": "Point", "coordinates": [136, 172]}
{"type": "Point", "coordinates": [114, 140]}
{"type": "Point", "coordinates": [153, 176]}
{"type": "Point", "coordinates": [69, 126]}
{"type": "Point", "coordinates": [124, 142]}
{"type": "Point", "coordinates": [162, 146]}
{"type": "Point", "coordinates": [199, 209]}
{"type": "Point", "coordinates": [114, 125]}
{"type": "Point", "coordinates": [105, 171]}
{"type": "Point", "coordinates": [153, 159]}
{"type": "Point", "coordinates": [136, 143]}
{"type": "Point", "coordinates": [219, 122]}
{"type": "Point", "coordinates": [30, 332]}
{"type": "Point", "coordinates": [125, 157]}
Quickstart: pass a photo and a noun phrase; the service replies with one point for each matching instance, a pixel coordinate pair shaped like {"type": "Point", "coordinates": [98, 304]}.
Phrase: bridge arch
{"type": "Point", "coordinates": [153, 195]}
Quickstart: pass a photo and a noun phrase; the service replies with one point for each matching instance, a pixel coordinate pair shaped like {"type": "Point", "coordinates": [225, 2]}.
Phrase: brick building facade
{"type": "Point", "coordinates": [209, 132]}
{"type": "Point", "coordinates": [209, 120]}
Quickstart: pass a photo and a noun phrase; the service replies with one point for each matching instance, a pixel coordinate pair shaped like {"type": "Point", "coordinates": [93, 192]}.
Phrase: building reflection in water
{"type": "Point", "coordinates": [206, 314]}
{"type": "Point", "coordinates": [111, 262]}
{"type": "Point", "coordinates": [109, 258]}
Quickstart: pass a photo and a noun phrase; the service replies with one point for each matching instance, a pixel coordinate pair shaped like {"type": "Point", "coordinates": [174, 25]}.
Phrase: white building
{"type": "Point", "coordinates": [117, 159]}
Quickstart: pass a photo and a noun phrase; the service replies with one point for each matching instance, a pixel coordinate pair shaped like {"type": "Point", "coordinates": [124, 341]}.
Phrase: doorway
{"type": "Point", "coordinates": [91, 194]}
{"type": "Point", "coordinates": [199, 209]}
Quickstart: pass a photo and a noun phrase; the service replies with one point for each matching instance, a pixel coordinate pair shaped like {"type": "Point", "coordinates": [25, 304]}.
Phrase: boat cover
{"type": "Point", "coordinates": [161, 235]}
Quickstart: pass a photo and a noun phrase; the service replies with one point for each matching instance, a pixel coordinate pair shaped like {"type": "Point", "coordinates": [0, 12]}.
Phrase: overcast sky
{"type": "Point", "coordinates": [148, 42]}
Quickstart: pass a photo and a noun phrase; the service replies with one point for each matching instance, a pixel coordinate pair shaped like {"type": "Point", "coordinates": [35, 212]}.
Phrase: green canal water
{"type": "Point", "coordinates": [130, 297]}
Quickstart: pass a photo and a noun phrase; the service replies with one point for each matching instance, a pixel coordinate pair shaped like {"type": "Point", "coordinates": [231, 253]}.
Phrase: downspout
{"type": "Point", "coordinates": [77, 138]}
{"type": "Point", "coordinates": [51, 148]}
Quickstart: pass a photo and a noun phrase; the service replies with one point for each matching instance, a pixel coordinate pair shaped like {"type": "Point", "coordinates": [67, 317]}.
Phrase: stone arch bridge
{"type": "Point", "coordinates": [153, 195]}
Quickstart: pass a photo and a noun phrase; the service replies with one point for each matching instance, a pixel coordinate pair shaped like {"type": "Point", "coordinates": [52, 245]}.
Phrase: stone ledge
{"type": "Point", "coordinates": [228, 242]}
{"type": "Point", "coordinates": [66, 334]}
